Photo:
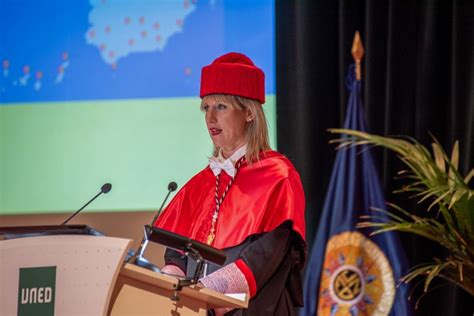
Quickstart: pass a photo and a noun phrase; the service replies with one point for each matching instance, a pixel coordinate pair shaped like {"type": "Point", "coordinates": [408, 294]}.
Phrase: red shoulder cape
{"type": "Point", "coordinates": [264, 195]}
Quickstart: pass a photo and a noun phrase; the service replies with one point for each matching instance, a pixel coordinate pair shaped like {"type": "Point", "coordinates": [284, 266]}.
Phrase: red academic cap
{"type": "Point", "coordinates": [235, 74]}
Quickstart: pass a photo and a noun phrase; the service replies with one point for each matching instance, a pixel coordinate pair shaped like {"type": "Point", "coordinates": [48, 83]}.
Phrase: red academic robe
{"type": "Point", "coordinates": [264, 195]}
{"type": "Point", "coordinates": [260, 226]}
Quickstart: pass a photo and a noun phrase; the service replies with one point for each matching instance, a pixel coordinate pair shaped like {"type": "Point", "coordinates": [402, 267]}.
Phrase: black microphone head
{"type": "Point", "coordinates": [172, 186]}
{"type": "Point", "coordinates": [106, 188]}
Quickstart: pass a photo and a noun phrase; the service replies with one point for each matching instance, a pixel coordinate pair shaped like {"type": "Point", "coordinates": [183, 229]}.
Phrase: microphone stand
{"type": "Point", "coordinates": [200, 253]}
{"type": "Point", "coordinates": [171, 187]}
{"type": "Point", "coordinates": [194, 254]}
{"type": "Point", "coordinates": [138, 258]}
{"type": "Point", "coordinates": [77, 212]}
{"type": "Point", "coordinates": [104, 189]}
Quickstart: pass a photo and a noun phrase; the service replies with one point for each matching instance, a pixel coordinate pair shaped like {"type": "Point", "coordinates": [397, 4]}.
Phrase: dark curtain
{"type": "Point", "coordinates": [418, 78]}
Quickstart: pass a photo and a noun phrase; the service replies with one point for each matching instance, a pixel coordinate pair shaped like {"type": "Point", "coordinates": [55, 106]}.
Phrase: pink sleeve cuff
{"type": "Point", "coordinates": [248, 274]}
{"type": "Point", "coordinates": [228, 279]}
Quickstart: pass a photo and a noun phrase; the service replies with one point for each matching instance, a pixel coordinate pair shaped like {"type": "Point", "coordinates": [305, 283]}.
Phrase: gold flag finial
{"type": "Point", "coordinates": [357, 53]}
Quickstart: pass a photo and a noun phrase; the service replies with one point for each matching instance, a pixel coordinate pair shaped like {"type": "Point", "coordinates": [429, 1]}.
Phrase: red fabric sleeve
{"type": "Point", "coordinates": [248, 276]}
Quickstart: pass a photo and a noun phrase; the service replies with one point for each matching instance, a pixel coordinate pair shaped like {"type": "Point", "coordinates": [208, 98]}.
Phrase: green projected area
{"type": "Point", "coordinates": [56, 156]}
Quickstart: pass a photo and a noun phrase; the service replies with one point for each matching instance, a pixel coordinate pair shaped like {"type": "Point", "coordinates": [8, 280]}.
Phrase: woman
{"type": "Point", "coordinates": [249, 200]}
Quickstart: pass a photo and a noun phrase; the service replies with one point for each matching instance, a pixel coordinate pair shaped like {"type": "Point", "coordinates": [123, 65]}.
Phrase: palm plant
{"type": "Point", "coordinates": [434, 178]}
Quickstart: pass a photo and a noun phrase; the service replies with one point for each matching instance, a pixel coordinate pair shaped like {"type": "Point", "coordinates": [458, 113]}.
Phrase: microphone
{"type": "Point", "coordinates": [138, 258]}
{"type": "Point", "coordinates": [104, 189]}
{"type": "Point", "coordinates": [172, 186]}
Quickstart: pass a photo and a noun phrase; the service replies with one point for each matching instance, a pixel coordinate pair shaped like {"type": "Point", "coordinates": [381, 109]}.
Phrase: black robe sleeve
{"type": "Point", "coordinates": [276, 260]}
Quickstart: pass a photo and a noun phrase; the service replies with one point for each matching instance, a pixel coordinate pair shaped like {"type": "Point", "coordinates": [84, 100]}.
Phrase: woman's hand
{"type": "Point", "coordinates": [173, 270]}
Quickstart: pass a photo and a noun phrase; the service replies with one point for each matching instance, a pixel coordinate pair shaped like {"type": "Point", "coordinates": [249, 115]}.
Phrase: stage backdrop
{"type": "Point", "coordinates": [106, 91]}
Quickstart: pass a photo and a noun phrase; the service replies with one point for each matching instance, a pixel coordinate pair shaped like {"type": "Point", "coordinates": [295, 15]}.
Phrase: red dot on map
{"type": "Point", "coordinates": [194, 1]}
{"type": "Point", "coordinates": [111, 54]}
{"type": "Point", "coordinates": [26, 69]}
{"type": "Point", "coordinates": [102, 47]}
{"type": "Point", "coordinates": [144, 33]}
{"type": "Point", "coordinates": [60, 69]}
{"type": "Point", "coordinates": [179, 22]}
{"type": "Point", "coordinates": [156, 25]}
{"type": "Point", "coordinates": [126, 20]}
{"type": "Point", "coordinates": [131, 42]}
{"type": "Point", "coordinates": [114, 66]}
{"type": "Point", "coordinates": [39, 75]}
{"type": "Point", "coordinates": [108, 29]}
{"type": "Point", "coordinates": [187, 71]}
{"type": "Point", "coordinates": [6, 63]}
{"type": "Point", "coordinates": [186, 4]}
{"type": "Point", "coordinates": [91, 33]}
{"type": "Point", "coordinates": [142, 20]}
{"type": "Point", "coordinates": [158, 38]}
{"type": "Point", "coordinates": [65, 56]}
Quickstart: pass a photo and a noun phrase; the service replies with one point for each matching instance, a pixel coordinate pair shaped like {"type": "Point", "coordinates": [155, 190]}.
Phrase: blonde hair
{"type": "Point", "coordinates": [256, 131]}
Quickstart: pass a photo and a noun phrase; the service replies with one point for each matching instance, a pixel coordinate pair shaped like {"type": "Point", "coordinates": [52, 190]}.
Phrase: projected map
{"type": "Point", "coordinates": [96, 91]}
{"type": "Point", "coordinates": [118, 31]}
{"type": "Point", "coordinates": [113, 49]}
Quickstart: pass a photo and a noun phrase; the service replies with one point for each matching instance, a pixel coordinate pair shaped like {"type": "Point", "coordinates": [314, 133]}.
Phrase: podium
{"type": "Point", "coordinates": [86, 275]}
{"type": "Point", "coordinates": [139, 291]}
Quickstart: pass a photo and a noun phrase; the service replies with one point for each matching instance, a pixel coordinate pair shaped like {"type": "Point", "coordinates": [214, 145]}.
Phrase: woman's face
{"type": "Point", "coordinates": [226, 124]}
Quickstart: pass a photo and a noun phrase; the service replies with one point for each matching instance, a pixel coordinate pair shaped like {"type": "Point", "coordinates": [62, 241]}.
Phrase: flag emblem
{"type": "Point", "coordinates": [352, 273]}
{"type": "Point", "coordinates": [357, 278]}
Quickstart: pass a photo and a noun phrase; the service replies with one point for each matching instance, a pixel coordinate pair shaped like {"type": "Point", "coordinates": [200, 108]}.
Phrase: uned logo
{"type": "Point", "coordinates": [36, 291]}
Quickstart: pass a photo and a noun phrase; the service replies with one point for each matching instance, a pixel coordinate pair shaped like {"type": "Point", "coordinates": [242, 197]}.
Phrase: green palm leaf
{"type": "Point", "coordinates": [434, 178]}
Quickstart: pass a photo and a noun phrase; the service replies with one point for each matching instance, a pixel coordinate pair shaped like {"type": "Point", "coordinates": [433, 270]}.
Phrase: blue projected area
{"type": "Point", "coordinates": [114, 49]}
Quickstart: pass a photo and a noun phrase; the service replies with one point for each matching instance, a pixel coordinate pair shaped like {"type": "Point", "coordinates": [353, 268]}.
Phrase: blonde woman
{"type": "Point", "coordinates": [248, 202]}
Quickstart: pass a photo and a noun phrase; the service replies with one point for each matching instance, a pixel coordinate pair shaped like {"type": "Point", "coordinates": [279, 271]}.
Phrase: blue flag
{"type": "Point", "coordinates": [350, 273]}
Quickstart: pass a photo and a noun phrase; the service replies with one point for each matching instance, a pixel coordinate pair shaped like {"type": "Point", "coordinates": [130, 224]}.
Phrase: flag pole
{"type": "Point", "coordinates": [357, 53]}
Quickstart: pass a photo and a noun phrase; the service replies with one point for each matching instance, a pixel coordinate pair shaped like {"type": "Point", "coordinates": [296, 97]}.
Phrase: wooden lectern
{"type": "Point", "coordinates": [77, 274]}
{"type": "Point", "coordinates": [139, 291]}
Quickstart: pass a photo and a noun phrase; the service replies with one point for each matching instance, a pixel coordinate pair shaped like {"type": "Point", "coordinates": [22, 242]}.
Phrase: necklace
{"type": "Point", "coordinates": [212, 232]}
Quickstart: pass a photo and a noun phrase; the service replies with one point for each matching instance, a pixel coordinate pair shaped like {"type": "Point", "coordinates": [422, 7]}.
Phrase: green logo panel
{"type": "Point", "coordinates": [36, 291]}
